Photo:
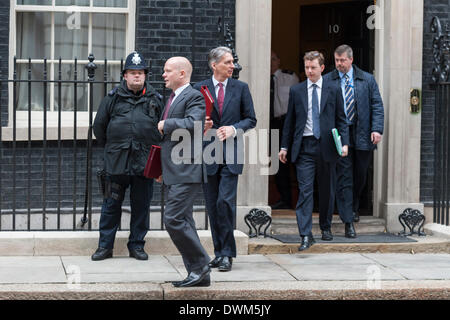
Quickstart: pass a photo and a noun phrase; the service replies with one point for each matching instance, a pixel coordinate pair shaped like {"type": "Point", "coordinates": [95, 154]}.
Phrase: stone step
{"type": "Point", "coordinates": [262, 290]}
{"type": "Point", "coordinates": [367, 225]}
{"type": "Point", "coordinates": [84, 243]}
{"type": "Point", "coordinates": [428, 244]}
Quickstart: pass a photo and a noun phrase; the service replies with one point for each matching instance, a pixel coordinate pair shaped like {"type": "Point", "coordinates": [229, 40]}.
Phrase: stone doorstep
{"type": "Point", "coordinates": [428, 244]}
{"type": "Point", "coordinates": [279, 290]}
{"type": "Point", "coordinates": [84, 243]}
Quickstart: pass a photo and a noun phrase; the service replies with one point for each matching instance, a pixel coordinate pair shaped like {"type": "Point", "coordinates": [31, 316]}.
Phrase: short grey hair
{"type": "Point", "coordinates": [216, 54]}
{"type": "Point", "coordinates": [344, 49]}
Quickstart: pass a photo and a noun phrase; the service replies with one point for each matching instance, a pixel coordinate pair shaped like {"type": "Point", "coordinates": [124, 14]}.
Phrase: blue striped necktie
{"type": "Point", "coordinates": [315, 112]}
{"type": "Point", "coordinates": [349, 99]}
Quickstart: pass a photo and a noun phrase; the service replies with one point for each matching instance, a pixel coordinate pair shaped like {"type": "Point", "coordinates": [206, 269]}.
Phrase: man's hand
{"type": "Point", "coordinates": [344, 151]}
{"type": "Point", "coordinates": [159, 179]}
{"type": "Point", "coordinates": [283, 156]}
{"type": "Point", "coordinates": [225, 132]}
{"type": "Point", "coordinates": [375, 137]}
{"type": "Point", "coordinates": [208, 125]}
{"type": "Point", "coordinates": [161, 126]}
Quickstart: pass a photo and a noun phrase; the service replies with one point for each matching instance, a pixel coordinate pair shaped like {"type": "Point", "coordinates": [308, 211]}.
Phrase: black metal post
{"type": "Point", "coordinates": [91, 66]}
{"type": "Point", "coordinates": [29, 147]}
{"type": "Point", "coordinates": [75, 110]}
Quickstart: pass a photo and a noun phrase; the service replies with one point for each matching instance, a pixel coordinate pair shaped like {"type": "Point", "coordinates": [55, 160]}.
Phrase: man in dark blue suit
{"type": "Point", "coordinates": [365, 115]}
{"type": "Point", "coordinates": [233, 114]}
{"type": "Point", "coordinates": [315, 108]}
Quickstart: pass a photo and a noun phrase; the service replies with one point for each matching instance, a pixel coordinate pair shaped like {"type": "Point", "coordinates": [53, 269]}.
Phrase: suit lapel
{"type": "Point", "coordinates": [228, 93]}
{"type": "Point", "coordinates": [178, 100]}
{"type": "Point", "coordinates": [304, 96]}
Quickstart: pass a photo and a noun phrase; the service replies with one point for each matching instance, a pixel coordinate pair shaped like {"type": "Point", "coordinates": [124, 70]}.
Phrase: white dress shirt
{"type": "Point", "coordinates": [178, 91]}
{"type": "Point", "coordinates": [309, 122]}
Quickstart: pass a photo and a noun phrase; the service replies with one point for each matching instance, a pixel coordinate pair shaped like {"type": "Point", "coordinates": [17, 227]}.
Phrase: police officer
{"type": "Point", "coordinates": [126, 125]}
{"type": "Point", "coordinates": [280, 83]}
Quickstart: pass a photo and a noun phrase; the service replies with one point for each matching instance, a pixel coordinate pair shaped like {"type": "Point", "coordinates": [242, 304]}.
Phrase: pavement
{"type": "Point", "coordinates": [297, 276]}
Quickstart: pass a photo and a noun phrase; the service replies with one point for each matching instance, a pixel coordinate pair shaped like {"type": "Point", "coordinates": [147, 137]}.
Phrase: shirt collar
{"type": "Point", "coordinates": [349, 73]}
{"type": "Point", "coordinates": [180, 89]}
{"type": "Point", "coordinates": [318, 83]}
{"type": "Point", "coordinates": [215, 82]}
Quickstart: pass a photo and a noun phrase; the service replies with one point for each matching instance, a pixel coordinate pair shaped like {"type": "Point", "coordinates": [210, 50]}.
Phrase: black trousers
{"type": "Point", "coordinates": [351, 180]}
{"type": "Point", "coordinates": [180, 224]}
{"type": "Point", "coordinates": [220, 194]}
{"type": "Point", "coordinates": [141, 191]}
{"type": "Point", "coordinates": [308, 163]}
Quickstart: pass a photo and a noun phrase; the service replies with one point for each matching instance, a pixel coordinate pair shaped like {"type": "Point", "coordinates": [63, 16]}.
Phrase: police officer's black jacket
{"type": "Point", "coordinates": [127, 125]}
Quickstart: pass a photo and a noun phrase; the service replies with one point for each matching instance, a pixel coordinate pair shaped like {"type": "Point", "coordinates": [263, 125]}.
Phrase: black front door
{"type": "Point", "coordinates": [324, 27]}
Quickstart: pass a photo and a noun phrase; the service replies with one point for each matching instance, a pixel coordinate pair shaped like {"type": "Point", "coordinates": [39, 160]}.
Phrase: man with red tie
{"type": "Point", "coordinates": [232, 115]}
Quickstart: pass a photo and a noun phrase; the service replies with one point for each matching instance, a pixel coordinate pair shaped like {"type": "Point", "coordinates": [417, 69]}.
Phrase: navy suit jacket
{"type": "Point", "coordinates": [369, 106]}
{"type": "Point", "coordinates": [237, 111]}
{"type": "Point", "coordinates": [332, 115]}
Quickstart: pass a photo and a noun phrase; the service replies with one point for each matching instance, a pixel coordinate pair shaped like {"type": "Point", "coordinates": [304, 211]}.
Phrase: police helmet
{"type": "Point", "coordinates": [135, 61]}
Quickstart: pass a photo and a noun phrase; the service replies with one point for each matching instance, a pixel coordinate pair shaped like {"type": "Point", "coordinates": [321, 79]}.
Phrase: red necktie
{"type": "Point", "coordinates": [168, 104]}
{"type": "Point", "coordinates": [220, 98]}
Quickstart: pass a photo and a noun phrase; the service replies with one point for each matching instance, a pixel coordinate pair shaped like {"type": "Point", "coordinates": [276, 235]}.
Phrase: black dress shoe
{"type": "Point", "coordinates": [225, 264]}
{"type": "Point", "coordinates": [327, 235]}
{"type": "Point", "coordinates": [280, 205]}
{"type": "Point", "coordinates": [195, 279]}
{"type": "Point", "coordinates": [204, 283]}
{"type": "Point", "coordinates": [350, 230]}
{"type": "Point", "coordinates": [102, 254]}
{"type": "Point", "coordinates": [307, 241]}
{"type": "Point", "coordinates": [215, 262]}
{"type": "Point", "coordinates": [356, 216]}
{"type": "Point", "coordinates": [138, 253]}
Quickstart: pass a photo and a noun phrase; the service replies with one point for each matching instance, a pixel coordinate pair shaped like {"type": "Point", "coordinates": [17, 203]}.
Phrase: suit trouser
{"type": "Point", "coordinates": [351, 180]}
{"type": "Point", "coordinates": [308, 163]}
{"type": "Point", "coordinates": [220, 196]}
{"type": "Point", "coordinates": [283, 176]}
{"type": "Point", "coordinates": [141, 191]}
{"type": "Point", "coordinates": [179, 222]}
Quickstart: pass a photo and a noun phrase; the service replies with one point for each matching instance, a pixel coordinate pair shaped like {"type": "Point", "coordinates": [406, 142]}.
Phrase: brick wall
{"type": "Point", "coordinates": [163, 29]}
{"type": "Point", "coordinates": [432, 8]}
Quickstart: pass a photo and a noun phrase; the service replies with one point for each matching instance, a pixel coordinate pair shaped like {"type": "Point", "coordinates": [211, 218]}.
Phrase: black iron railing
{"type": "Point", "coordinates": [441, 84]}
{"type": "Point", "coordinates": [36, 174]}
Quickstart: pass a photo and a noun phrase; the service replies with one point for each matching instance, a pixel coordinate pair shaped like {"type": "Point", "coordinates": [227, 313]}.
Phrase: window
{"type": "Point", "coordinates": [52, 33]}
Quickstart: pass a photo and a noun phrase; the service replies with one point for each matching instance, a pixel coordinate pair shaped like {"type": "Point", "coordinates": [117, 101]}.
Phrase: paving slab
{"type": "Point", "coordinates": [245, 268]}
{"type": "Point", "coordinates": [122, 269]}
{"type": "Point", "coordinates": [329, 258]}
{"type": "Point", "coordinates": [341, 272]}
{"type": "Point", "coordinates": [413, 260]}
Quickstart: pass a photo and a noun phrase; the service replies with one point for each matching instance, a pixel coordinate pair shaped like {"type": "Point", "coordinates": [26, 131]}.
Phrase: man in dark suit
{"type": "Point", "coordinates": [315, 107]}
{"type": "Point", "coordinates": [365, 116]}
{"type": "Point", "coordinates": [183, 173]}
{"type": "Point", "coordinates": [233, 114]}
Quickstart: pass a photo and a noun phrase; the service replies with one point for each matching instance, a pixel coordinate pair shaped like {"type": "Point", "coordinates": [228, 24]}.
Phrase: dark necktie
{"type": "Point", "coordinates": [349, 99]}
{"type": "Point", "coordinates": [315, 112]}
{"type": "Point", "coordinates": [168, 104]}
{"type": "Point", "coordinates": [220, 98]}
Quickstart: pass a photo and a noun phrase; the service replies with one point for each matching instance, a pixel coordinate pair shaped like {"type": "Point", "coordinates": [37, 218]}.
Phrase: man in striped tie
{"type": "Point", "coordinates": [365, 117]}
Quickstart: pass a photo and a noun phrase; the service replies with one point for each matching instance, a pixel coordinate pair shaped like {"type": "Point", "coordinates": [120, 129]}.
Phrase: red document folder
{"type": "Point", "coordinates": [208, 100]}
{"type": "Point", "coordinates": [153, 166]}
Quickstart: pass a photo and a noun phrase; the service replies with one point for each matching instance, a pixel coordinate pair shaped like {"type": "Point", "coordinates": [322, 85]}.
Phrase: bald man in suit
{"type": "Point", "coordinates": [184, 174]}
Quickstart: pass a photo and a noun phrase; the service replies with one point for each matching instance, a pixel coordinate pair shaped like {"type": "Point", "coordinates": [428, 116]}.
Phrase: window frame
{"type": "Point", "coordinates": [52, 63]}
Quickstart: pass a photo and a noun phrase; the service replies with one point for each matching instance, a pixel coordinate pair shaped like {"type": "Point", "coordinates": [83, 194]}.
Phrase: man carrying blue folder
{"type": "Point", "coordinates": [315, 108]}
